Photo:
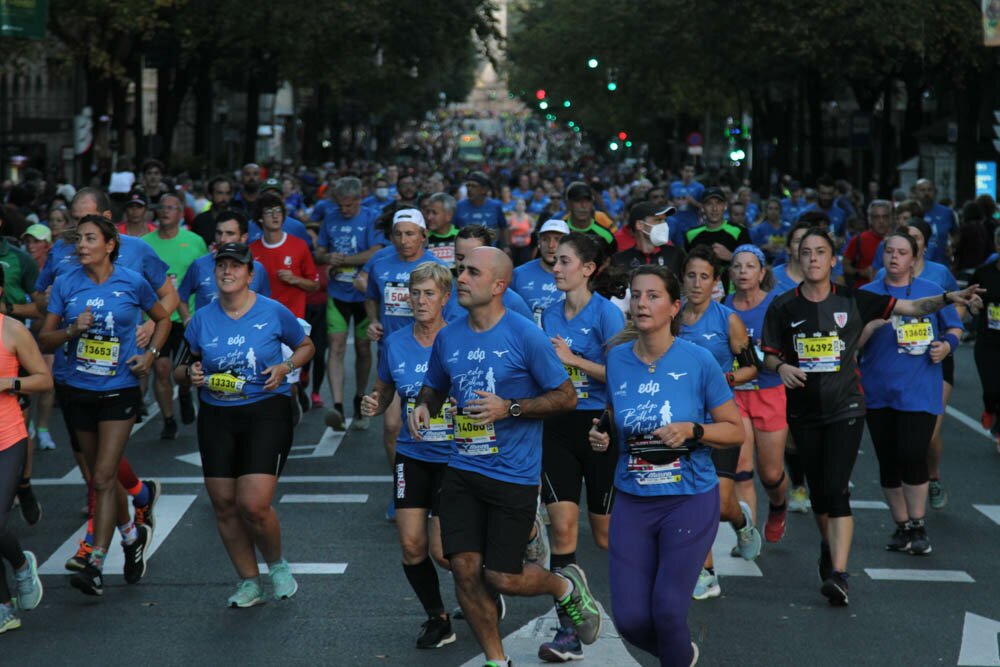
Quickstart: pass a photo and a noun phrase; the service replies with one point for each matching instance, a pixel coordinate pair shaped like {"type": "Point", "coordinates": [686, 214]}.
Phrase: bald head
{"type": "Point", "coordinates": [496, 262]}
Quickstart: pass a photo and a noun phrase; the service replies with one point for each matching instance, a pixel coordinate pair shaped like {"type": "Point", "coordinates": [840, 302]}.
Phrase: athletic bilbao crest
{"type": "Point", "coordinates": [840, 319]}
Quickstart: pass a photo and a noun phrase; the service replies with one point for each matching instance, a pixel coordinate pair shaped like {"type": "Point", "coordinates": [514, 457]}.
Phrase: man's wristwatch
{"type": "Point", "coordinates": [152, 349]}
{"type": "Point", "coordinates": [698, 431]}
{"type": "Point", "coordinates": [15, 386]}
{"type": "Point", "coordinates": [291, 365]}
{"type": "Point", "coordinates": [515, 408]}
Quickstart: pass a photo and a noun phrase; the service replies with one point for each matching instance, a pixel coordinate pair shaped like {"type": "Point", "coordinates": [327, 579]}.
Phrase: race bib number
{"type": "Point", "coordinates": [442, 427]}
{"type": "Point", "coordinates": [225, 385]}
{"type": "Point", "coordinates": [993, 316]}
{"type": "Point", "coordinates": [345, 274]}
{"type": "Point", "coordinates": [445, 252]}
{"type": "Point", "coordinates": [580, 381]}
{"type": "Point", "coordinates": [645, 473]}
{"type": "Point", "coordinates": [913, 337]}
{"type": "Point", "coordinates": [396, 297]}
{"type": "Point", "coordinates": [97, 355]}
{"type": "Point", "coordinates": [474, 439]}
{"type": "Point", "coordinates": [819, 354]}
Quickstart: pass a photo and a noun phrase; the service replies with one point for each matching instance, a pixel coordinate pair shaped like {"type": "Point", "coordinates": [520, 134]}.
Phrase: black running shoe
{"type": "Point", "coordinates": [435, 633]}
{"type": "Point", "coordinates": [31, 510]}
{"type": "Point", "coordinates": [835, 589]}
{"type": "Point", "coordinates": [135, 554]}
{"type": "Point", "coordinates": [825, 562]}
{"type": "Point", "coordinates": [144, 513]}
{"type": "Point", "coordinates": [187, 407]}
{"type": "Point", "coordinates": [88, 580]}
{"type": "Point", "coordinates": [919, 544]}
{"type": "Point", "coordinates": [169, 431]}
{"type": "Point", "coordinates": [900, 540]}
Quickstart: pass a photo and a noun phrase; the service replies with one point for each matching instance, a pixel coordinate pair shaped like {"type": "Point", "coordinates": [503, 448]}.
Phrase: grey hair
{"type": "Point", "coordinates": [348, 186]}
{"type": "Point", "coordinates": [880, 203]}
{"type": "Point", "coordinates": [445, 199]}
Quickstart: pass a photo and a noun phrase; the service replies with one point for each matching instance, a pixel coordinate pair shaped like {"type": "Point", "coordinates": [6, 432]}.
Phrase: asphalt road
{"type": "Point", "coordinates": [356, 608]}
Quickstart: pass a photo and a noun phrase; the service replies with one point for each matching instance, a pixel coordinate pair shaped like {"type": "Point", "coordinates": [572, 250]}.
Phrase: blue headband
{"type": "Point", "coordinates": [752, 249]}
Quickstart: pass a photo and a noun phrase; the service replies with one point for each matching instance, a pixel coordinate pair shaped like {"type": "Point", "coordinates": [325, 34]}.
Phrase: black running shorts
{"type": "Point", "coordinates": [418, 483]}
{"type": "Point", "coordinates": [248, 439]}
{"type": "Point", "coordinates": [568, 460]}
{"type": "Point", "coordinates": [88, 408]}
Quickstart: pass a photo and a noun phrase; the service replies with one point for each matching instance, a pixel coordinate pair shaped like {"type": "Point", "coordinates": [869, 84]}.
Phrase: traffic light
{"type": "Point", "coordinates": [613, 145]}
{"type": "Point", "coordinates": [737, 155]}
{"type": "Point", "coordinates": [543, 105]}
{"type": "Point", "coordinates": [612, 86]}
{"type": "Point", "coordinates": [540, 94]}
{"type": "Point", "coordinates": [570, 123]}
{"type": "Point", "coordinates": [623, 135]}
{"type": "Point", "coordinates": [628, 144]}
{"type": "Point", "coordinates": [592, 63]}
{"type": "Point", "coordinates": [566, 103]}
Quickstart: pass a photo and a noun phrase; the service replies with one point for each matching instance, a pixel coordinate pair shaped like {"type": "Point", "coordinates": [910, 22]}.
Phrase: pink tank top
{"type": "Point", "coordinates": [12, 429]}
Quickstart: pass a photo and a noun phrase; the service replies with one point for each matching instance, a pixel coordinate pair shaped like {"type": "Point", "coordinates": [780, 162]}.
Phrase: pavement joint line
{"type": "Point", "coordinates": [969, 421]}
{"type": "Point", "coordinates": [930, 576]}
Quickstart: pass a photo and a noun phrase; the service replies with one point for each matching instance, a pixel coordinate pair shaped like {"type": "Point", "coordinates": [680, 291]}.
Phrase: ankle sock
{"type": "Point", "coordinates": [128, 532]}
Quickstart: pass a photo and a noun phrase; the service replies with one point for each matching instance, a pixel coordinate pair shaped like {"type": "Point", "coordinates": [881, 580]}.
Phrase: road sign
{"type": "Point", "coordinates": [25, 18]}
{"type": "Point", "coordinates": [695, 139]}
{"type": "Point", "coordinates": [986, 179]}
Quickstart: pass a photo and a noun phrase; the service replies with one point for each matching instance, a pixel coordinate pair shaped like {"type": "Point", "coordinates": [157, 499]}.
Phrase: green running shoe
{"type": "Point", "coordinates": [282, 581]}
{"type": "Point", "coordinates": [580, 605]}
{"type": "Point", "coordinates": [247, 594]}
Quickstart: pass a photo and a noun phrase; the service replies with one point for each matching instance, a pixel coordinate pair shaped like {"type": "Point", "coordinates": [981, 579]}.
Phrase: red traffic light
{"type": "Point", "coordinates": [540, 93]}
{"type": "Point", "coordinates": [623, 135]}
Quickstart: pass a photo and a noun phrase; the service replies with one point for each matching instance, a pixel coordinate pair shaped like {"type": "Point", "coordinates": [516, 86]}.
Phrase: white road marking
{"type": "Point", "coordinates": [992, 512]}
{"type": "Point", "coordinates": [324, 498]}
{"type": "Point", "coordinates": [328, 443]}
{"type": "Point", "coordinates": [868, 505]}
{"type": "Point", "coordinates": [311, 568]}
{"type": "Point", "coordinates": [968, 421]}
{"type": "Point", "coordinates": [725, 564]}
{"type": "Point", "coordinates": [194, 458]}
{"type": "Point", "coordinates": [169, 510]}
{"type": "Point", "coordinates": [72, 479]}
{"type": "Point", "coordinates": [935, 576]}
{"type": "Point", "coordinates": [522, 644]}
{"type": "Point", "coordinates": [979, 642]}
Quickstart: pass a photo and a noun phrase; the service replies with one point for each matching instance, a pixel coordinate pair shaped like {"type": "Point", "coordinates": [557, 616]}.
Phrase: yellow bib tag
{"type": "Point", "coordinates": [345, 274]}
{"type": "Point", "coordinates": [914, 337]}
{"type": "Point", "coordinates": [474, 439]}
{"type": "Point", "coordinates": [442, 427]}
{"type": "Point", "coordinates": [819, 354]}
{"type": "Point", "coordinates": [580, 381]}
{"type": "Point", "coordinates": [225, 383]}
{"type": "Point", "coordinates": [993, 316]}
{"type": "Point", "coordinates": [98, 355]}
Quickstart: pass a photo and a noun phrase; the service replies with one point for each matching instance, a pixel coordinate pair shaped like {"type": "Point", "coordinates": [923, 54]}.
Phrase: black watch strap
{"type": "Point", "coordinates": [698, 431]}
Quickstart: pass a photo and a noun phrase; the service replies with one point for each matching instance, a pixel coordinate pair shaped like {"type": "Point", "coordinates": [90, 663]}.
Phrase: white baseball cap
{"type": "Point", "coordinates": [409, 215]}
{"type": "Point", "coordinates": [554, 225]}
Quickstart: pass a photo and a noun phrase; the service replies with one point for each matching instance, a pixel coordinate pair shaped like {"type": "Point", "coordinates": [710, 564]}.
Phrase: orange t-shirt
{"type": "Point", "coordinates": [12, 428]}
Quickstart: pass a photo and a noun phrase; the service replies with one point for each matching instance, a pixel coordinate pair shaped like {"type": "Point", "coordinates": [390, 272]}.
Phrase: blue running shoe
{"type": "Point", "coordinates": [564, 647]}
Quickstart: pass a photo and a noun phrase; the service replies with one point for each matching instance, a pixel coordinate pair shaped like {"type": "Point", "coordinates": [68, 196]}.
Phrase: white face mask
{"type": "Point", "coordinates": [381, 193]}
{"type": "Point", "coordinates": [660, 234]}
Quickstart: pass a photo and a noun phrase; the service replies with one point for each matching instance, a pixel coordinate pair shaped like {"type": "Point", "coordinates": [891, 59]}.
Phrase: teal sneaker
{"type": "Point", "coordinates": [282, 581]}
{"type": "Point", "coordinates": [707, 586]}
{"type": "Point", "coordinates": [748, 537]}
{"type": "Point", "coordinates": [580, 605]}
{"type": "Point", "coordinates": [936, 495]}
{"type": "Point", "coordinates": [247, 594]}
{"type": "Point", "coordinates": [29, 586]}
{"type": "Point", "coordinates": [9, 620]}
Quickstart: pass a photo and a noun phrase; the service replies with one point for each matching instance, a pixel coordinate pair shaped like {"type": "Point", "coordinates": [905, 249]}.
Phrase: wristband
{"type": "Point", "coordinates": [291, 365]}
{"type": "Point", "coordinates": [778, 367]}
{"type": "Point", "coordinates": [944, 297]}
{"type": "Point", "coordinates": [952, 340]}
{"type": "Point", "coordinates": [731, 379]}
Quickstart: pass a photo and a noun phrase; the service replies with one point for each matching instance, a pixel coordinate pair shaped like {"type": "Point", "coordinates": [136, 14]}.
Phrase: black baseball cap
{"type": "Point", "coordinates": [578, 190]}
{"type": "Point", "coordinates": [646, 209]}
{"type": "Point", "coordinates": [271, 184]}
{"type": "Point", "coordinates": [478, 177]}
{"type": "Point", "coordinates": [136, 199]}
{"type": "Point", "coordinates": [715, 193]}
{"type": "Point", "coordinates": [238, 251]}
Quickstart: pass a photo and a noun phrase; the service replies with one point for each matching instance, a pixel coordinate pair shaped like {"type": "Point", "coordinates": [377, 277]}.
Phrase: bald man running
{"type": "Point", "coordinates": [505, 377]}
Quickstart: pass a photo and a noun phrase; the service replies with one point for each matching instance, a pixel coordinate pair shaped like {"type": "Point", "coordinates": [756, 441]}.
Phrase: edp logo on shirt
{"type": "Point", "coordinates": [96, 303]}
{"type": "Point", "coordinates": [420, 368]}
{"type": "Point", "coordinates": [236, 340]}
{"type": "Point", "coordinates": [650, 387]}
{"type": "Point", "coordinates": [477, 355]}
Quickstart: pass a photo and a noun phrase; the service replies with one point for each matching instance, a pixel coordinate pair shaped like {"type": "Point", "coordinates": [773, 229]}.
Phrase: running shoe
{"type": "Point", "coordinates": [135, 554]}
{"type": "Point", "coordinates": [581, 606]}
{"type": "Point", "coordinates": [9, 620]}
{"type": "Point", "coordinates": [825, 561]}
{"type": "Point", "coordinates": [31, 509]}
{"type": "Point", "coordinates": [169, 431]}
{"type": "Point", "coordinates": [798, 500]}
{"type": "Point", "coordinates": [282, 581]}
{"type": "Point", "coordinates": [247, 594]}
{"type": "Point", "coordinates": [707, 586]}
{"type": "Point", "coordinates": [360, 422]}
{"type": "Point", "coordinates": [774, 529]}
{"type": "Point", "coordinates": [537, 549]}
{"type": "Point", "coordinates": [45, 441]}
{"type": "Point", "coordinates": [187, 407]}
{"type": "Point", "coordinates": [435, 633]}
{"type": "Point", "coordinates": [144, 513]}
{"type": "Point", "coordinates": [78, 561]}
{"type": "Point", "coordinates": [334, 419]}
{"type": "Point", "coordinates": [919, 544]}
{"type": "Point", "coordinates": [89, 580]}
{"type": "Point", "coordinates": [899, 541]}
{"type": "Point", "coordinates": [492, 663]}
{"type": "Point", "coordinates": [936, 495]}
{"type": "Point", "coordinates": [564, 647]}
{"type": "Point", "coordinates": [694, 654]}
{"type": "Point", "coordinates": [835, 589]}
{"type": "Point", "coordinates": [748, 537]}
{"type": "Point", "coordinates": [317, 400]}
{"type": "Point", "coordinates": [987, 419]}
{"type": "Point", "coordinates": [29, 585]}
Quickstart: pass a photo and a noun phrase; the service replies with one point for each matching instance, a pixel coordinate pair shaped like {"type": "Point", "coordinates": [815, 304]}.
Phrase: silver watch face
{"type": "Point", "coordinates": [515, 409]}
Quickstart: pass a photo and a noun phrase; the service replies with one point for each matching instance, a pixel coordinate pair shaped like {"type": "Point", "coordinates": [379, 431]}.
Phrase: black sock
{"type": "Point", "coordinates": [339, 407]}
{"type": "Point", "coordinates": [559, 561]}
{"type": "Point", "coordinates": [778, 508]}
{"type": "Point", "coordinates": [357, 406]}
{"type": "Point", "coordinates": [423, 580]}
{"type": "Point", "coordinates": [25, 482]}
{"type": "Point", "coordinates": [795, 468]}
{"type": "Point", "coordinates": [710, 570]}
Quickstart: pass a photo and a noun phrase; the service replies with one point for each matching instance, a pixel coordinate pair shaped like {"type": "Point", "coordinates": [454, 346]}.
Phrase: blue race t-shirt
{"type": "Point", "coordinates": [687, 216]}
{"type": "Point", "coordinates": [942, 222]}
{"type": "Point", "coordinates": [513, 360]}
{"type": "Point", "coordinates": [933, 272]}
{"type": "Point", "coordinates": [711, 332]}
{"type": "Point", "coordinates": [403, 362]}
{"type": "Point", "coordinates": [896, 367]}
{"type": "Point", "coordinates": [235, 353]}
{"type": "Point", "coordinates": [836, 215]}
{"type": "Point", "coordinates": [586, 335]}
{"type": "Point", "coordinates": [763, 234]}
{"type": "Point", "coordinates": [489, 214]}
{"type": "Point", "coordinates": [512, 301]}
{"type": "Point", "coordinates": [200, 281]}
{"type": "Point", "coordinates": [348, 237]}
{"type": "Point", "coordinates": [289, 226]}
{"type": "Point", "coordinates": [96, 360]}
{"type": "Point", "coordinates": [537, 287]}
{"type": "Point", "coordinates": [753, 320]}
{"type": "Point", "coordinates": [389, 286]}
{"type": "Point", "coordinates": [791, 210]}
{"type": "Point", "coordinates": [685, 387]}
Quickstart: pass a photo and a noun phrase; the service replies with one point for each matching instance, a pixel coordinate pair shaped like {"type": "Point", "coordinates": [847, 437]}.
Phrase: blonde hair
{"type": "Point", "coordinates": [437, 273]}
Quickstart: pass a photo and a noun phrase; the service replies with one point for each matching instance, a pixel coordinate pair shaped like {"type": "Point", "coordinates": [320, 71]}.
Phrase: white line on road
{"type": "Point", "coordinates": [71, 479]}
{"type": "Point", "coordinates": [903, 574]}
{"type": "Point", "coordinates": [979, 642]}
{"type": "Point", "coordinates": [868, 505]}
{"type": "Point", "coordinates": [725, 564]}
{"type": "Point", "coordinates": [311, 568]}
{"type": "Point", "coordinates": [992, 512]}
{"type": "Point", "coordinates": [169, 510]}
{"type": "Point", "coordinates": [327, 445]}
{"type": "Point", "coordinates": [324, 498]}
{"type": "Point", "coordinates": [969, 421]}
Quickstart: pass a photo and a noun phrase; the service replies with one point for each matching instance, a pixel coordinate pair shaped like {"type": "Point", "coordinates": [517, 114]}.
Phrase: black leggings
{"type": "Point", "coordinates": [987, 357]}
{"type": "Point", "coordinates": [11, 462]}
{"type": "Point", "coordinates": [828, 453]}
{"type": "Point", "coordinates": [901, 442]}
{"type": "Point", "coordinates": [316, 316]}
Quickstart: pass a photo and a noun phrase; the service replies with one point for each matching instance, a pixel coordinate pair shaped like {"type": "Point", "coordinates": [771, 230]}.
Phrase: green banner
{"type": "Point", "coordinates": [23, 18]}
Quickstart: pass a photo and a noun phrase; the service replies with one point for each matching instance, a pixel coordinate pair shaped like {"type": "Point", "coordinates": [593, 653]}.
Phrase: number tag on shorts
{"type": "Point", "coordinates": [346, 274]}
{"type": "Point", "coordinates": [474, 439]}
{"type": "Point", "coordinates": [225, 386]}
{"type": "Point", "coordinates": [993, 316]}
{"type": "Point", "coordinates": [442, 426]}
{"type": "Point", "coordinates": [97, 355]}
{"type": "Point", "coordinates": [396, 297]}
{"type": "Point", "coordinates": [580, 381]}
{"type": "Point", "coordinates": [819, 354]}
{"type": "Point", "coordinates": [913, 337]}
{"type": "Point", "coordinates": [646, 473]}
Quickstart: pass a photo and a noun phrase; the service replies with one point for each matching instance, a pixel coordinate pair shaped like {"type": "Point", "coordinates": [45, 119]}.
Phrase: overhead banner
{"type": "Point", "coordinates": [24, 18]}
{"type": "Point", "coordinates": [991, 22]}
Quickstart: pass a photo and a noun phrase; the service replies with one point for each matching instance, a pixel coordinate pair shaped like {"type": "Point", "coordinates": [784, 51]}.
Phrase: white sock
{"type": "Point", "coordinates": [128, 532]}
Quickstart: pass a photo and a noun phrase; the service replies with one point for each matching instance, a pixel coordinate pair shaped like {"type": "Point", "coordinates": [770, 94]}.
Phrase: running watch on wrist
{"type": "Point", "coordinates": [152, 349]}
{"type": "Point", "coordinates": [698, 431]}
{"type": "Point", "coordinates": [514, 409]}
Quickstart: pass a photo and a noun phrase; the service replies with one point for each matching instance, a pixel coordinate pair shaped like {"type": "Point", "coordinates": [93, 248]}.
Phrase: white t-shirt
{"type": "Point", "coordinates": [121, 181]}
